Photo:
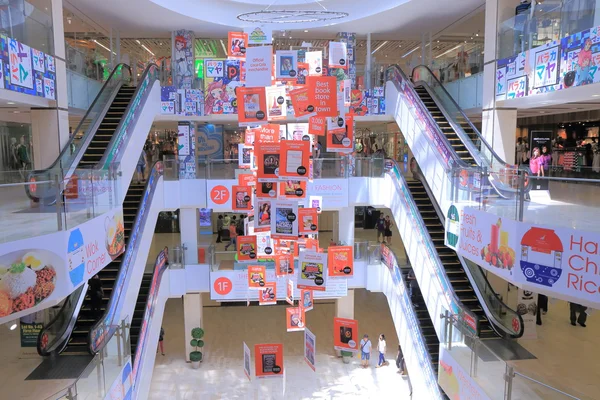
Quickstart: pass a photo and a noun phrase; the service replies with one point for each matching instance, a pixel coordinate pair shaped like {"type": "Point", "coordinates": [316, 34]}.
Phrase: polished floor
{"type": "Point", "coordinates": [221, 374]}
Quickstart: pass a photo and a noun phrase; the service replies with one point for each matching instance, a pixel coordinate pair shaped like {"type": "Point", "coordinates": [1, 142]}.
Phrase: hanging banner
{"type": "Point", "coordinates": [316, 126]}
{"type": "Point", "coordinates": [289, 296]}
{"type": "Point", "coordinates": [294, 159]}
{"type": "Point", "coordinates": [259, 35]}
{"type": "Point", "coordinates": [247, 358]}
{"type": "Point", "coordinates": [313, 271]}
{"type": "Point", "coordinates": [309, 221]}
{"type": "Point", "coordinates": [342, 142]}
{"type": "Point", "coordinates": [340, 261]}
{"type": "Point", "coordinates": [310, 348]}
{"type": "Point", "coordinates": [292, 190]}
{"type": "Point", "coordinates": [242, 198]}
{"type": "Point", "coordinates": [336, 126]}
{"type": "Point", "coordinates": [268, 294]}
{"type": "Point", "coordinates": [323, 92]}
{"type": "Point", "coordinates": [267, 134]}
{"type": "Point", "coordinates": [276, 105]}
{"type": "Point", "coordinates": [345, 334]}
{"type": "Point", "coordinates": [314, 59]}
{"type": "Point", "coordinates": [245, 154]}
{"type": "Point", "coordinates": [306, 299]}
{"type": "Point", "coordinates": [252, 106]}
{"type": "Point", "coordinates": [268, 360]}
{"type": "Point", "coordinates": [237, 43]}
{"type": "Point", "coordinates": [262, 218]}
{"type": "Point", "coordinates": [302, 102]}
{"type": "Point", "coordinates": [257, 276]}
{"type": "Point", "coordinates": [267, 162]}
{"type": "Point", "coordinates": [259, 66]}
{"type": "Point", "coordinates": [246, 248]}
{"type": "Point", "coordinates": [285, 223]}
{"type": "Point", "coordinates": [266, 190]}
{"type": "Point", "coordinates": [527, 309]}
{"type": "Point", "coordinates": [338, 55]}
{"type": "Point", "coordinates": [294, 319]}
{"type": "Point", "coordinates": [284, 265]}
{"type": "Point", "coordinates": [316, 202]}
{"type": "Point", "coordinates": [286, 62]}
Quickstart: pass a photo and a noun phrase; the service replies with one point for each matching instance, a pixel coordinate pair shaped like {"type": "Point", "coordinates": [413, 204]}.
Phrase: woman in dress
{"type": "Point", "coordinates": [536, 163]}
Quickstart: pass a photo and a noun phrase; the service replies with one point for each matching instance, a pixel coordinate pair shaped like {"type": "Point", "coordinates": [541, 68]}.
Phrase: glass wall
{"type": "Point", "coordinates": [28, 22]}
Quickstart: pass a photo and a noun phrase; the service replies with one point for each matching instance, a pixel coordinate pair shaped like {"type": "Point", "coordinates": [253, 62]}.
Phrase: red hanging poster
{"type": "Point", "coordinates": [267, 162]}
{"type": "Point", "coordinates": [252, 106]}
{"type": "Point", "coordinates": [247, 179]}
{"type": "Point", "coordinates": [242, 198]}
{"type": "Point", "coordinates": [266, 190]}
{"type": "Point", "coordinates": [268, 360]}
{"type": "Point", "coordinates": [284, 265]}
{"type": "Point", "coordinates": [317, 126]}
{"type": "Point", "coordinates": [249, 136]}
{"type": "Point", "coordinates": [340, 261]}
{"type": "Point", "coordinates": [294, 319]}
{"type": "Point", "coordinates": [323, 93]}
{"type": "Point", "coordinates": [342, 142]}
{"type": "Point", "coordinates": [237, 43]}
{"type": "Point", "coordinates": [267, 296]}
{"type": "Point", "coordinates": [246, 248]}
{"type": "Point", "coordinates": [268, 133]}
{"type": "Point", "coordinates": [309, 221]}
{"type": "Point", "coordinates": [289, 296]}
{"type": "Point", "coordinates": [302, 102]}
{"type": "Point", "coordinates": [294, 159]}
{"type": "Point", "coordinates": [345, 334]}
{"type": "Point", "coordinates": [291, 189]}
{"type": "Point", "coordinates": [257, 276]}
{"type": "Point", "coordinates": [302, 74]}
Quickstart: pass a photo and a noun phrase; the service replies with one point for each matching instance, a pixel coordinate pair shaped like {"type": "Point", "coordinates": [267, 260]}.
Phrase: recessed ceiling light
{"type": "Point", "coordinates": [596, 95]}
{"type": "Point", "coordinates": [14, 324]}
{"type": "Point", "coordinates": [306, 31]}
{"type": "Point", "coordinates": [10, 102]}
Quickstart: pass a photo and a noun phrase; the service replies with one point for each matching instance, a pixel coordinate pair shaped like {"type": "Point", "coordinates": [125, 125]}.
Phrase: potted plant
{"type": "Point", "coordinates": [197, 343]}
{"type": "Point", "coordinates": [346, 356]}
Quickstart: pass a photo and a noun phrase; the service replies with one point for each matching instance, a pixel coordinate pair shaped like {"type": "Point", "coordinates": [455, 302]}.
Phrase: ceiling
{"type": "Point", "coordinates": [385, 19]}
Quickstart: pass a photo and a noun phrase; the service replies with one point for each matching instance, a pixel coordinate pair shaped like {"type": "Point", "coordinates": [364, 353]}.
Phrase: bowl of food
{"type": "Point", "coordinates": [115, 235]}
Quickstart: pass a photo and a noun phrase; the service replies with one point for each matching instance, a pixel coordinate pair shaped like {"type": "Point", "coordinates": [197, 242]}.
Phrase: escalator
{"type": "Point", "coordinates": [140, 309]}
{"type": "Point", "coordinates": [454, 270]}
{"type": "Point", "coordinates": [78, 341]}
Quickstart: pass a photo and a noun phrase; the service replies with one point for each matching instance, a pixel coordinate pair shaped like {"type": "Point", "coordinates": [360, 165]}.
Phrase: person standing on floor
{"type": "Point", "coordinates": [381, 347]}
{"type": "Point", "coordinates": [141, 169]}
{"type": "Point", "coordinates": [412, 285]}
{"type": "Point", "coordinates": [96, 295]}
{"type": "Point", "coordinates": [232, 236]}
{"type": "Point", "coordinates": [380, 225]}
{"type": "Point", "coordinates": [388, 230]}
{"type": "Point", "coordinates": [219, 228]}
{"type": "Point", "coordinates": [365, 351]}
{"type": "Point", "coordinates": [400, 362]}
{"type": "Point", "coordinates": [578, 308]}
{"type": "Point", "coordinates": [161, 337]}
{"type": "Point", "coordinates": [542, 306]}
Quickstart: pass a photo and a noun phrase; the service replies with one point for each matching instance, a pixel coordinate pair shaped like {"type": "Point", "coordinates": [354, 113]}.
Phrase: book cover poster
{"type": "Point", "coordinates": [252, 106]}
{"type": "Point", "coordinates": [268, 360]}
{"type": "Point", "coordinates": [267, 162]}
{"type": "Point", "coordinates": [286, 65]}
{"type": "Point", "coordinates": [284, 223]}
{"type": "Point", "coordinates": [312, 271]}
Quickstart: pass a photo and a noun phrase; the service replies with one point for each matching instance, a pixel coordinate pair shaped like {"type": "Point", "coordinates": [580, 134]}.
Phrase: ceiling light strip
{"type": "Point", "coordinates": [379, 47]}
{"type": "Point", "coordinates": [103, 46]}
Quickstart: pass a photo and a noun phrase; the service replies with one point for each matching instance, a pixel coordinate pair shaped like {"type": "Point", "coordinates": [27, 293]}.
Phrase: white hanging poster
{"type": "Point", "coordinates": [247, 361]}
{"type": "Point", "coordinates": [298, 131]}
{"type": "Point", "coordinates": [259, 66]}
{"type": "Point", "coordinates": [338, 55]}
{"type": "Point", "coordinates": [276, 105]}
{"type": "Point", "coordinates": [527, 309]}
{"type": "Point", "coordinates": [245, 155]}
{"type": "Point", "coordinates": [314, 59]}
{"type": "Point", "coordinates": [259, 35]}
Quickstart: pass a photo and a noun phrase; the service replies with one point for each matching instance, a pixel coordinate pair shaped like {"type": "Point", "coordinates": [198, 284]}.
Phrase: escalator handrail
{"type": "Point", "coordinates": [480, 295]}
{"type": "Point", "coordinates": [451, 99]}
{"type": "Point", "coordinates": [454, 305]}
{"type": "Point", "coordinates": [411, 315]}
{"type": "Point", "coordinates": [437, 132]}
{"type": "Point", "coordinates": [60, 342]}
{"type": "Point", "coordinates": [103, 329]}
{"type": "Point", "coordinates": [160, 266]}
{"type": "Point", "coordinates": [88, 134]}
{"type": "Point", "coordinates": [141, 93]}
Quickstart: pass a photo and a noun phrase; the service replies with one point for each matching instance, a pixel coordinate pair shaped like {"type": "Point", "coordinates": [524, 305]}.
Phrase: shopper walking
{"type": "Point", "coordinates": [578, 308]}
{"type": "Point", "coordinates": [161, 337]}
{"type": "Point", "coordinates": [381, 347]}
{"type": "Point", "coordinates": [219, 228]}
{"type": "Point", "coordinates": [232, 235]}
{"type": "Point", "coordinates": [412, 286]}
{"type": "Point", "coordinates": [365, 351]}
{"type": "Point", "coordinates": [96, 295]}
{"type": "Point", "coordinates": [380, 225]}
{"type": "Point", "coordinates": [400, 362]}
{"type": "Point", "coordinates": [388, 230]}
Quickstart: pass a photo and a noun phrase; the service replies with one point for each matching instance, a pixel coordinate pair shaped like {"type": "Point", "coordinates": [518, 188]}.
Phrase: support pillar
{"type": "Point", "coordinates": [192, 314]}
{"type": "Point", "coordinates": [345, 226]}
{"type": "Point", "coordinates": [368, 70]}
{"type": "Point", "coordinates": [344, 306]}
{"type": "Point", "coordinates": [188, 225]}
{"type": "Point", "coordinates": [499, 124]}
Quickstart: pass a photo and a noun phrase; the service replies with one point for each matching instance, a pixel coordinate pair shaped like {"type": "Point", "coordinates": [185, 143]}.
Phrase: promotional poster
{"type": "Point", "coordinates": [294, 319]}
{"type": "Point", "coordinates": [292, 190]}
{"type": "Point", "coordinates": [268, 360]}
{"type": "Point", "coordinates": [322, 90]}
{"type": "Point", "coordinates": [309, 221]}
{"type": "Point", "coordinates": [257, 276]}
{"type": "Point", "coordinates": [313, 271]}
{"type": "Point", "coordinates": [340, 261]}
{"type": "Point", "coordinates": [314, 59]}
{"type": "Point", "coordinates": [268, 133]}
{"type": "Point", "coordinates": [246, 248]}
{"type": "Point", "coordinates": [336, 125]}
{"type": "Point", "coordinates": [338, 55]}
{"type": "Point", "coordinates": [294, 159]}
{"type": "Point", "coordinates": [268, 294]}
{"type": "Point", "coordinates": [252, 106]}
{"type": "Point", "coordinates": [248, 179]}
{"type": "Point", "coordinates": [317, 126]}
{"type": "Point", "coordinates": [285, 221]}
{"type": "Point", "coordinates": [284, 264]}
{"type": "Point", "coordinates": [306, 301]}
{"type": "Point", "coordinates": [267, 163]}
{"type": "Point", "coordinates": [302, 102]}
{"type": "Point", "coordinates": [266, 190]}
{"type": "Point", "coordinates": [286, 64]}
{"type": "Point", "coordinates": [316, 202]}
{"type": "Point", "coordinates": [259, 66]}
{"type": "Point", "coordinates": [455, 381]}
{"type": "Point", "coordinates": [343, 141]}
{"type": "Point", "coordinates": [310, 348]}
{"type": "Point", "coordinates": [247, 361]}
{"type": "Point", "coordinates": [245, 154]}
{"type": "Point", "coordinates": [527, 309]}
{"type": "Point", "coordinates": [345, 334]}
{"type": "Point", "coordinates": [262, 218]}
{"type": "Point", "coordinates": [289, 296]}
{"type": "Point", "coordinates": [242, 198]}
{"type": "Point", "coordinates": [238, 41]}
{"type": "Point", "coordinates": [276, 103]}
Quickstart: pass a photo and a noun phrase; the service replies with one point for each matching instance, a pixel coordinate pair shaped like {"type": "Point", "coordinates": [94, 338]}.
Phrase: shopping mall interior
{"type": "Point", "coordinates": [156, 243]}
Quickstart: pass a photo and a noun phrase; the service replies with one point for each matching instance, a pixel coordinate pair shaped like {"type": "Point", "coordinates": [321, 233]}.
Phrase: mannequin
{"type": "Point", "coordinates": [596, 155]}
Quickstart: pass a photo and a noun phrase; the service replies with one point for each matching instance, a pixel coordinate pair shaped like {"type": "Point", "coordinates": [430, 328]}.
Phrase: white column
{"type": "Point", "coordinates": [188, 225]}
{"type": "Point", "coordinates": [344, 306]}
{"type": "Point", "coordinates": [368, 71]}
{"type": "Point", "coordinates": [498, 123]}
{"type": "Point", "coordinates": [345, 226]}
{"type": "Point", "coordinates": [192, 314]}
